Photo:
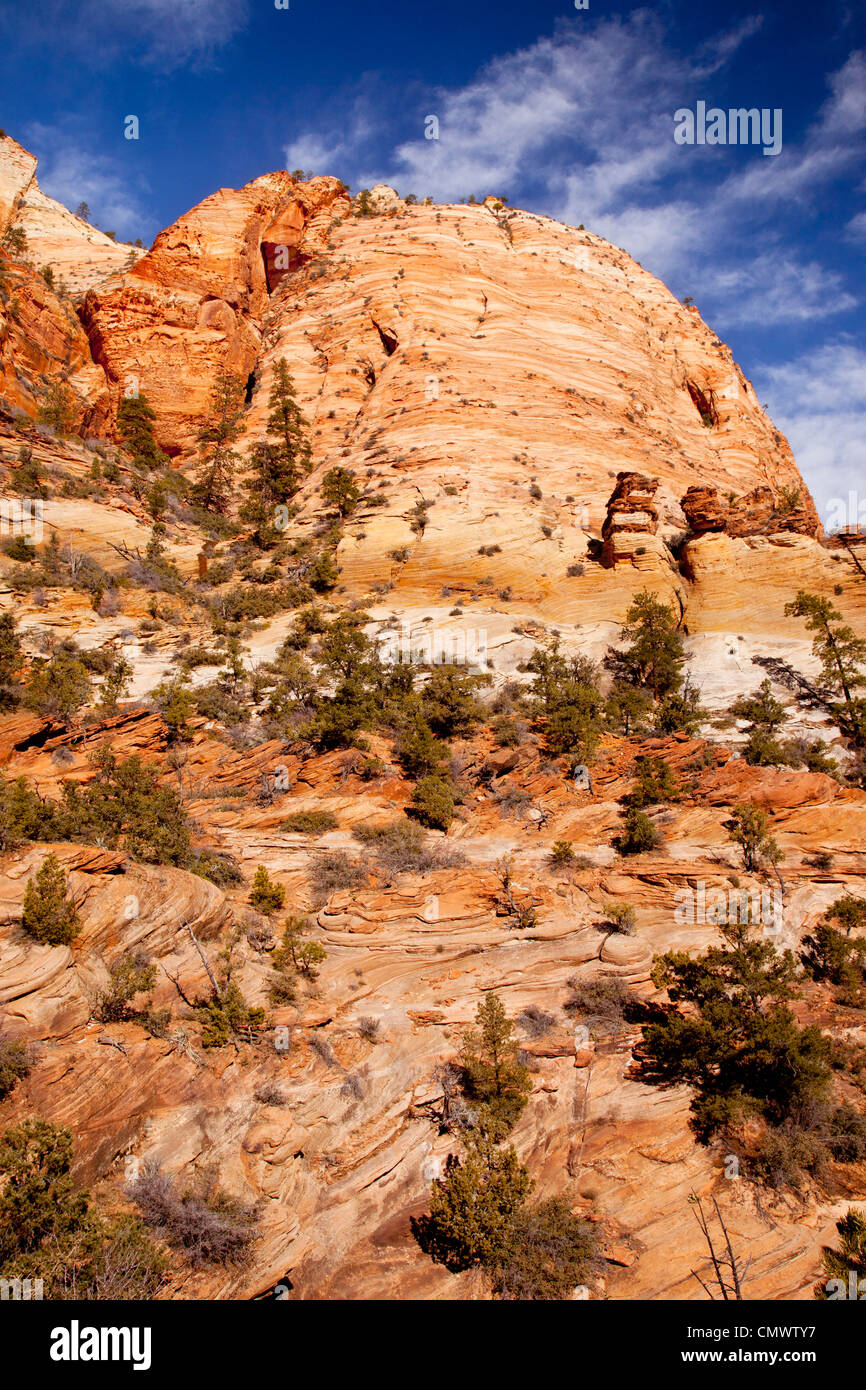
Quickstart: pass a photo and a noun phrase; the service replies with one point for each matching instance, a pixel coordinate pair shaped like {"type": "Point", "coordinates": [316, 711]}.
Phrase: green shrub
{"type": "Point", "coordinates": [638, 835]}
{"type": "Point", "coordinates": [731, 1034]}
{"type": "Point", "coordinates": [561, 855]}
{"type": "Point", "coordinates": [14, 1064]}
{"type": "Point", "coordinates": [849, 1259]}
{"type": "Point", "coordinates": [59, 686]}
{"type": "Point", "coordinates": [448, 702]}
{"type": "Point", "coordinates": [227, 1015]}
{"type": "Point", "coordinates": [50, 1231]}
{"type": "Point", "coordinates": [550, 1253]}
{"type": "Point", "coordinates": [748, 827]}
{"type": "Point", "coordinates": [295, 955]}
{"type": "Point", "coordinates": [216, 866]}
{"type": "Point", "coordinates": [474, 1207]}
{"type": "Point", "coordinates": [566, 697]}
{"type": "Point", "coordinates": [309, 823]}
{"type": "Point", "coordinates": [494, 1079]}
{"type": "Point", "coordinates": [132, 974]}
{"type": "Point", "coordinates": [654, 782]}
{"type": "Point", "coordinates": [265, 895]}
{"type": "Point", "coordinates": [418, 750]}
{"type": "Point", "coordinates": [433, 802]}
{"type": "Point", "coordinates": [622, 917]}
{"type": "Point", "coordinates": [49, 914]}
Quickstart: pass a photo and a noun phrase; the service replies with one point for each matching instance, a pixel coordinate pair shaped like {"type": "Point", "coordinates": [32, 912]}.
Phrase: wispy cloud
{"type": "Point", "coordinates": [167, 34]}
{"type": "Point", "coordinates": [549, 125]}
{"type": "Point", "coordinates": [819, 400]}
{"type": "Point", "coordinates": [68, 172]}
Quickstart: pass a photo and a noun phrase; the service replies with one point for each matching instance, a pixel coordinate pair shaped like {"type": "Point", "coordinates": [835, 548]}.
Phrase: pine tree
{"type": "Point", "coordinates": [494, 1078]}
{"type": "Point", "coordinates": [135, 421]}
{"type": "Point", "coordinates": [265, 895]}
{"type": "Point", "coordinates": [749, 828]}
{"type": "Point", "coordinates": [115, 683]}
{"type": "Point", "coordinates": [11, 659]}
{"type": "Point", "coordinates": [295, 953]}
{"type": "Point", "coordinates": [340, 490]}
{"type": "Point", "coordinates": [59, 687]}
{"type": "Point", "coordinates": [655, 656]}
{"type": "Point", "coordinates": [48, 913]}
{"type": "Point", "coordinates": [278, 464]}
{"type": "Point", "coordinates": [567, 696]}
{"type": "Point", "coordinates": [58, 407]}
{"type": "Point", "coordinates": [841, 654]}
{"type": "Point", "coordinates": [223, 426]}
{"type": "Point", "coordinates": [765, 715]}
{"type": "Point", "coordinates": [848, 1260]}
{"type": "Point", "coordinates": [474, 1207]}
{"type": "Point", "coordinates": [736, 1042]}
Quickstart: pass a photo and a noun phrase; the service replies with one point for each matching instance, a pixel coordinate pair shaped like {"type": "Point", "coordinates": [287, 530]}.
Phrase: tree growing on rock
{"type": "Point", "coordinates": [568, 701]}
{"type": "Point", "coordinates": [480, 1216]}
{"type": "Point", "coordinates": [639, 834]}
{"type": "Point", "coordinates": [473, 1208]}
{"type": "Point", "coordinates": [495, 1081]}
{"type": "Point", "coordinates": [731, 1034]}
{"type": "Point", "coordinates": [654, 657]}
{"type": "Point", "coordinates": [748, 827]}
{"type": "Point", "coordinates": [11, 660]}
{"type": "Point", "coordinates": [295, 955]}
{"type": "Point", "coordinates": [433, 802]}
{"type": "Point", "coordinates": [842, 656]}
{"type": "Point", "coordinates": [222, 428]}
{"type": "Point", "coordinates": [265, 895]}
{"type": "Point", "coordinates": [49, 912]}
{"type": "Point", "coordinates": [58, 686]}
{"type": "Point", "coordinates": [135, 421]}
{"type": "Point", "coordinates": [832, 953]}
{"type": "Point", "coordinates": [765, 714]}
{"type": "Point", "coordinates": [848, 1260]}
{"type": "Point", "coordinates": [129, 976]}
{"type": "Point", "coordinates": [340, 490]}
{"type": "Point", "coordinates": [278, 464]}
{"type": "Point", "coordinates": [57, 409]}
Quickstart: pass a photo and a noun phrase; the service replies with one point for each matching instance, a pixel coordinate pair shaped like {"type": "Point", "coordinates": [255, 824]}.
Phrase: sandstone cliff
{"type": "Point", "coordinates": [551, 431]}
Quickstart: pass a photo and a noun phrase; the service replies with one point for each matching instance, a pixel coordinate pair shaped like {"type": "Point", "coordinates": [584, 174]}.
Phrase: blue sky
{"type": "Point", "coordinates": [569, 112]}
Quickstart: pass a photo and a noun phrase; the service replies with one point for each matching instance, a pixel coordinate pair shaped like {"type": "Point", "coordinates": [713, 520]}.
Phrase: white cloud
{"type": "Point", "coordinates": [69, 173]}
{"type": "Point", "coordinates": [583, 122]}
{"type": "Point", "coordinates": [774, 288]}
{"type": "Point", "coordinates": [856, 228]}
{"type": "Point", "coordinates": [167, 34]}
{"type": "Point", "coordinates": [819, 400]}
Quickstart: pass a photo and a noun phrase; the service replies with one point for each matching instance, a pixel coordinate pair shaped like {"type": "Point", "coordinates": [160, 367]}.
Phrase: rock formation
{"type": "Point", "coordinates": [632, 518]}
{"type": "Point", "coordinates": [758, 513]}
{"type": "Point", "coordinates": [523, 407]}
{"type": "Point", "coordinates": [195, 302]}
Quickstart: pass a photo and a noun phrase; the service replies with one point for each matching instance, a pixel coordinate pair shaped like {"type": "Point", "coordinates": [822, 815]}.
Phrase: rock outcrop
{"type": "Point", "coordinates": [761, 512]}
{"type": "Point", "coordinates": [194, 303]}
{"type": "Point", "coordinates": [79, 255]}
{"type": "Point", "coordinates": [632, 518]}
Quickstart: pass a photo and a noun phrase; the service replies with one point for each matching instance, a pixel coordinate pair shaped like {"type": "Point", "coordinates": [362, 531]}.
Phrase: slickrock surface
{"type": "Point", "coordinates": [575, 434]}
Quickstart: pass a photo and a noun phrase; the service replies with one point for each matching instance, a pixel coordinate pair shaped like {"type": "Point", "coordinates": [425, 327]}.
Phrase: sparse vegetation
{"type": "Point", "coordinates": [50, 1230]}
{"type": "Point", "coordinates": [200, 1221]}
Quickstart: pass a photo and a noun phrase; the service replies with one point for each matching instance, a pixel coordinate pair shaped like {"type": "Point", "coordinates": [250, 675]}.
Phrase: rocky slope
{"type": "Point", "coordinates": [576, 435]}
